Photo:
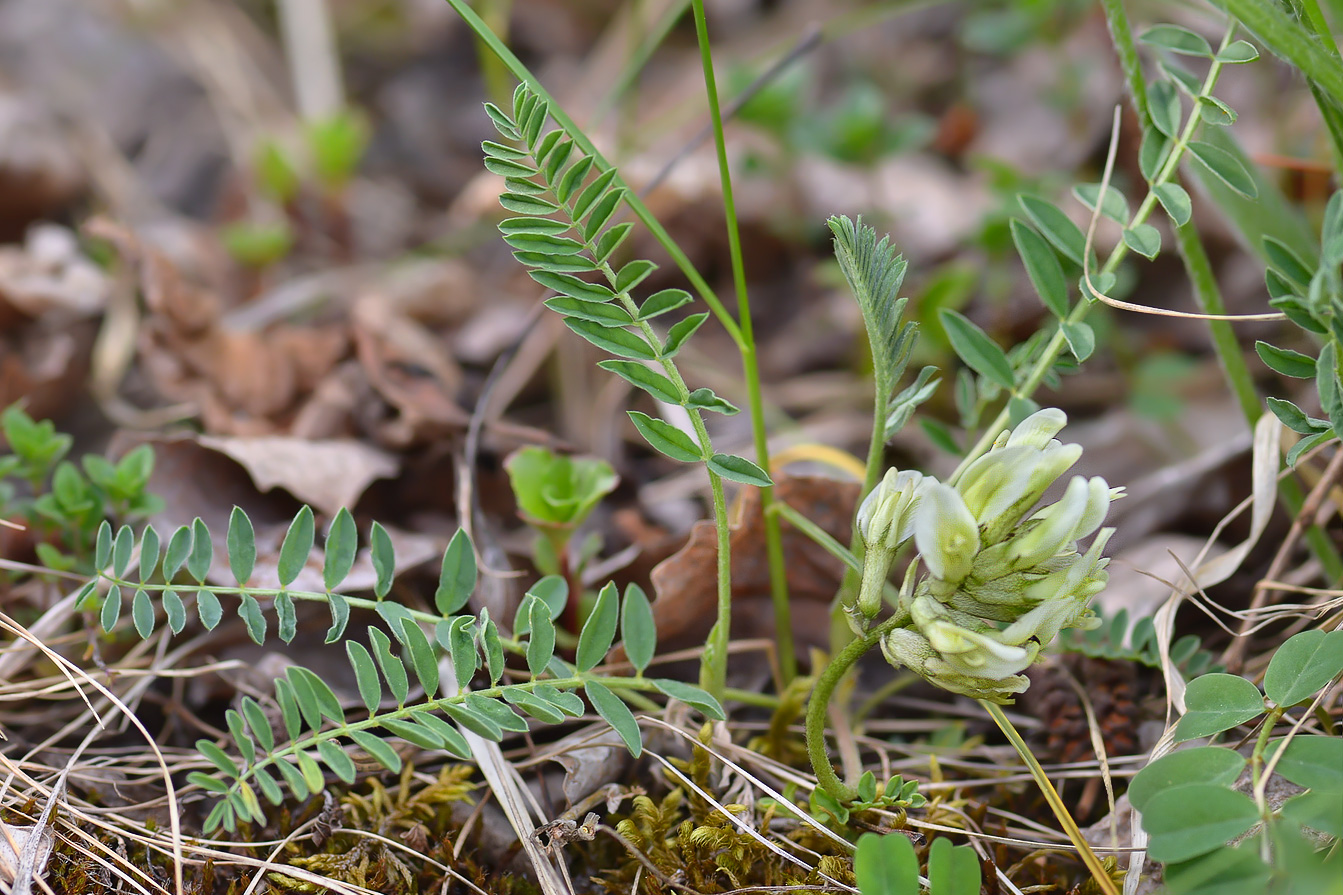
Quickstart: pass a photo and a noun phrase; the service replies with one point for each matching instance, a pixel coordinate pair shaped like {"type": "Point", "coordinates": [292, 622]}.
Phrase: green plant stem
{"type": "Point", "coordinates": [1065, 819]}
{"type": "Point", "coordinates": [1258, 776]}
{"type": "Point", "coordinates": [1122, 37]}
{"type": "Point", "coordinates": [778, 579]}
{"type": "Point", "coordinates": [829, 678]}
{"type": "Point", "coordinates": [581, 140]}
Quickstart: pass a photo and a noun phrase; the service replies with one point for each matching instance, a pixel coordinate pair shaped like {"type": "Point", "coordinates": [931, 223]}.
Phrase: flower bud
{"type": "Point", "coordinates": [886, 515]}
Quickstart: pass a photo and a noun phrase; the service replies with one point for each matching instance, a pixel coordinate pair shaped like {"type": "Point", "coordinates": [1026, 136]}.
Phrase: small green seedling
{"type": "Point", "coordinates": [337, 145]}
{"type": "Point", "coordinates": [257, 245]}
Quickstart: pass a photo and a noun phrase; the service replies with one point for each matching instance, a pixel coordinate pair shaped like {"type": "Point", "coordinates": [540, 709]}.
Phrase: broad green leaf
{"type": "Point", "coordinates": [340, 617]}
{"type": "Point", "coordinates": [555, 263]}
{"type": "Point", "coordinates": [705, 399]}
{"type": "Point", "coordinates": [1225, 167]}
{"type": "Point", "coordinates": [543, 243]}
{"type": "Point", "coordinates": [297, 547]}
{"type": "Point", "coordinates": [739, 469]}
{"type": "Point", "coordinates": [365, 675]}
{"type": "Point", "coordinates": [1043, 268]}
{"type": "Point", "coordinates": [535, 706]}
{"type": "Point", "coordinates": [952, 869]}
{"type": "Point", "coordinates": [1319, 809]}
{"type": "Point", "coordinates": [638, 631]}
{"type": "Point", "coordinates": [208, 608]}
{"type": "Point", "coordinates": [1237, 52]}
{"type": "Point", "coordinates": [533, 225]}
{"type": "Point", "coordinates": [1190, 820]}
{"type": "Point", "coordinates": [1176, 201]}
{"type": "Point", "coordinates": [618, 341]}
{"type": "Point", "coordinates": [886, 865]}
{"type": "Point", "coordinates": [462, 646]}
{"type": "Point", "coordinates": [1286, 361]}
{"type": "Point", "coordinates": [617, 714]}
{"type": "Point", "coordinates": [341, 543]}
{"type": "Point", "coordinates": [1080, 338]}
{"type": "Point", "coordinates": [1213, 765]}
{"type": "Point", "coordinates": [599, 631]}
{"type": "Point", "coordinates": [384, 559]}
{"type": "Point", "coordinates": [110, 609]}
{"type": "Point", "coordinates": [1143, 239]}
{"type": "Point", "coordinates": [393, 669]}
{"type": "Point", "coordinates": [250, 611]}
{"type": "Point", "coordinates": [597, 312]}
{"type": "Point", "coordinates": [1217, 702]}
{"type": "Point", "coordinates": [102, 550]}
{"type": "Point", "coordinates": [142, 614]}
{"type": "Point", "coordinates": [692, 696]}
{"type": "Point", "coordinates": [457, 576]}
{"type": "Point", "coordinates": [662, 302]}
{"type": "Point", "coordinates": [336, 759]}
{"type": "Point", "coordinates": [611, 240]}
{"type": "Point", "coordinates": [1312, 761]}
{"type": "Point", "coordinates": [521, 203]}
{"type": "Point", "coordinates": [666, 438]}
{"type": "Point", "coordinates": [377, 749]}
{"type": "Point", "coordinates": [1177, 40]}
{"type": "Point", "coordinates": [1303, 666]}
{"type": "Point", "coordinates": [422, 658]}
{"type": "Point", "coordinates": [541, 639]}
{"type": "Point", "coordinates": [979, 352]}
{"type": "Point", "coordinates": [175, 610]}
{"type": "Point", "coordinates": [657, 385]}
{"type": "Point", "coordinates": [680, 332]}
{"type": "Point", "coordinates": [1115, 206]}
{"type": "Point", "coordinates": [1163, 99]}
{"type": "Point", "coordinates": [241, 545]}
{"type": "Point", "coordinates": [1223, 871]}
{"type": "Point", "coordinates": [572, 286]}
{"type": "Point", "coordinates": [633, 273]}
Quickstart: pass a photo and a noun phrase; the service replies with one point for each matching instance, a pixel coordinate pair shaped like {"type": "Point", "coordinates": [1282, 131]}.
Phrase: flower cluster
{"type": "Point", "coordinates": [1002, 577]}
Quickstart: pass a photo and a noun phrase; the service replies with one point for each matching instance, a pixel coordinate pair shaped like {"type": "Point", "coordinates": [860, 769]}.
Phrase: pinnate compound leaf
{"type": "Point", "coordinates": [638, 630]}
{"type": "Point", "coordinates": [662, 302]}
{"type": "Point", "coordinates": [1315, 762]}
{"type": "Point", "coordinates": [618, 341]}
{"type": "Point", "coordinates": [617, 714]}
{"type": "Point", "coordinates": [886, 865]}
{"type": "Point", "coordinates": [1214, 765]}
{"type": "Point", "coordinates": [1176, 201]}
{"type": "Point", "coordinates": [1303, 666]}
{"type": "Point", "coordinates": [692, 696]}
{"type": "Point", "coordinates": [149, 552]}
{"type": "Point", "coordinates": [1286, 361]}
{"type": "Point", "coordinates": [1217, 702]}
{"type": "Point", "coordinates": [1177, 40]}
{"type": "Point", "coordinates": [667, 438]}
{"type": "Point", "coordinates": [1225, 167]}
{"type": "Point", "coordinates": [365, 675]}
{"type": "Point", "coordinates": [979, 352]}
{"type": "Point", "coordinates": [1043, 268]}
{"type": "Point", "coordinates": [384, 559]}
{"type": "Point", "coordinates": [599, 631]}
{"type": "Point", "coordinates": [1143, 239]}
{"type": "Point", "coordinates": [341, 543]}
{"type": "Point", "coordinates": [657, 385]}
{"type": "Point", "coordinates": [241, 545]}
{"type": "Point", "coordinates": [739, 469]}
{"type": "Point", "coordinates": [1194, 819]}
{"type": "Point", "coordinates": [457, 576]}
